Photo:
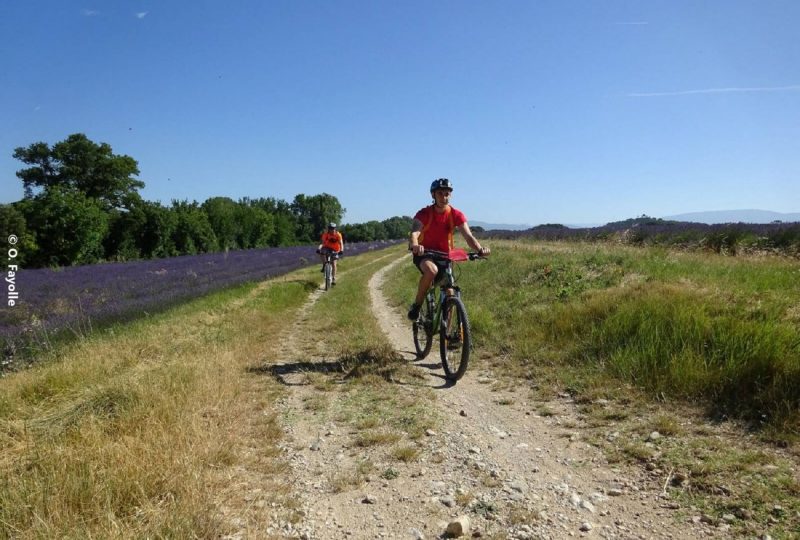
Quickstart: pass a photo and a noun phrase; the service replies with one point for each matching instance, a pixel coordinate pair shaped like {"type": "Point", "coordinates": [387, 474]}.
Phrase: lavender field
{"type": "Point", "coordinates": [73, 300]}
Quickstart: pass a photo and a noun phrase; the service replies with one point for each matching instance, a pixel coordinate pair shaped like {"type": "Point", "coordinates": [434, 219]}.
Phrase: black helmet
{"type": "Point", "coordinates": [441, 183]}
{"type": "Point", "coordinates": [331, 225]}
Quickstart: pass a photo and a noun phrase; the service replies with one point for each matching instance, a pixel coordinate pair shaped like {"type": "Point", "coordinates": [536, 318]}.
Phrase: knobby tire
{"type": "Point", "coordinates": [422, 329]}
{"type": "Point", "coordinates": [328, 270]}
{"type": "Point", "coordinates": [455, 338]}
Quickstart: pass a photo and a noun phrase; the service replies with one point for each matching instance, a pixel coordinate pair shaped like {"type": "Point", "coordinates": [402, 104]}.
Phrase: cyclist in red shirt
{"type": "Point", "coordinates": [331, 241]}
{"type": "Point", "coordinates": [433, 229]}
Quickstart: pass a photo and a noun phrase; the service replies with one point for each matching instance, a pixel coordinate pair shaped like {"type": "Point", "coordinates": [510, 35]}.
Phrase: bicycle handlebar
{"type": "Point", "coordinates": [472, 255]}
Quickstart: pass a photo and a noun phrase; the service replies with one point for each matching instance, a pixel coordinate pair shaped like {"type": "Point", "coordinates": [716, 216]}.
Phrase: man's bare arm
{"type": "Point", "coordinates": [413, 239]}
{"type": "Point", "coordinates": [471, 240]}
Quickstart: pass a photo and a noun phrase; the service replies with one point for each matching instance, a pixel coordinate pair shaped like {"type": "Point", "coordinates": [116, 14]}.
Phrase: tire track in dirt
{"type": "Point", "coordinates": [514, 474]}
{"type": "Point", "coordinates": [326, 462]}
{"type": "Point", "coordinates": [548, 482]}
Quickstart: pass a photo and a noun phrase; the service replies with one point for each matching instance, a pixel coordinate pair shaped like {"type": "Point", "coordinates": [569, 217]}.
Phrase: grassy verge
{"type": "Point", "coordinates": [706, 327]}
{"type": "Point", "coordinates": [127, 433]}
{"type": "Point", "coordinates": [647, 330]}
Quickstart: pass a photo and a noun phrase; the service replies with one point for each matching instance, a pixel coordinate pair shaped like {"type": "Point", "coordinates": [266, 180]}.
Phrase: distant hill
{"type": "Point", "coordinates": [735, 216]}
{"type": "Point", "coordinates": [499, 226]}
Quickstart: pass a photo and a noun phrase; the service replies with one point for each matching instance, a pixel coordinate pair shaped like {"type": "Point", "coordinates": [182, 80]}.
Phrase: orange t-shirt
{"type": "Point", "coordinates": [332, 240]}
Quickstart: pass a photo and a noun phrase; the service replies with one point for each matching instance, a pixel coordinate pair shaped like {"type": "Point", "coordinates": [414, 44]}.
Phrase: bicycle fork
{"type": "Point", "coordinates": [455, 335]}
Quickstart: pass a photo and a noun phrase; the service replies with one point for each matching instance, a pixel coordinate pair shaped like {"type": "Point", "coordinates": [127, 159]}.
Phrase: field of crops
{"type": "Point", "coordinates": [73, 300]}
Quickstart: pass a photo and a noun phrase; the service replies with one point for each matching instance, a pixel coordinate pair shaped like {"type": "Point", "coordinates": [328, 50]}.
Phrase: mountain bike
{"type": "Point", "coordinates": [447, 315]}
{"type": "Point", "coordinates": [327, 267]}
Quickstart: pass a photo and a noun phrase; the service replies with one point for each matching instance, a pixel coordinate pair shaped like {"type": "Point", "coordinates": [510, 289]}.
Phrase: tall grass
{"type": "Point", "coordinates": [704, 327]}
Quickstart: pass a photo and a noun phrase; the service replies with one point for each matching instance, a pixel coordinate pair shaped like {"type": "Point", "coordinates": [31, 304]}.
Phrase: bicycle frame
{"type": "Point", "coordinates": [330, 257]}
{"type": "Point", "coordinates": [446, 284]}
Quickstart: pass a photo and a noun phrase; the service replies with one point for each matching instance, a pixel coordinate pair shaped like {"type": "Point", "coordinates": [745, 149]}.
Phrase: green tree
{"type": "Point", "coordinates": [156, 239]}
{"type": "Point", "coordinates": [193, 233]}
{"type": "Point", "coordinates": [356, 232]}
{"type": "Point", "coordinates": [12, 221]}
{"type": "Point", "coordinates": [284, 221]}
{"type": "Point", "coordinates": [79, 164]}
{"type": "Point", "coordinates": [255, 226]}
{"type": "Point", "coordinates": [68, 226]}
{"type": "Point", "coordinates": [376, 230]}
{"type": "Point", "coordinates": [222, 214]}
{"type": "Point", "coordinates": [314, 213]}
{"type": "Point", "coordinates": [122, 240]}
{"type": "Point", "coordinates": [397, 227]}
{"type": "Point", "coordinates": [144, 231]}
{"type": "Point", "coordinates": [285, 231]}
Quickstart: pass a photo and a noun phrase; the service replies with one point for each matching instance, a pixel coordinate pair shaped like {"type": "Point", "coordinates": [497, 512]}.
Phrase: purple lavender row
{"type": "Point", "coordinates": [75, 298]}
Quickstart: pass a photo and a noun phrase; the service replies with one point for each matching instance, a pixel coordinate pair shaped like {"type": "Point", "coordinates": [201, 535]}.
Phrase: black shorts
{"type": "Point", "coordinates": [440, 263]}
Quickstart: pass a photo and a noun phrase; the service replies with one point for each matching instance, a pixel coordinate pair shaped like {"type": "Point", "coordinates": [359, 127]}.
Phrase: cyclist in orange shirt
{"type": "Point", "coordinates": [332, 241]}
{"type": "Point", "coordinates": [433, 229]}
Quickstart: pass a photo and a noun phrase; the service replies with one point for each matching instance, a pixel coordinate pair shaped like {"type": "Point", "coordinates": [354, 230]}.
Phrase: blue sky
{"type": "Point", "coordinates": [538, 111]}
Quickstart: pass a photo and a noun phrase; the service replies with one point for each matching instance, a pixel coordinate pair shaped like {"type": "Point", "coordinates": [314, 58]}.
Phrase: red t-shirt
{"type": "Point", "coordinates": [437, 228]}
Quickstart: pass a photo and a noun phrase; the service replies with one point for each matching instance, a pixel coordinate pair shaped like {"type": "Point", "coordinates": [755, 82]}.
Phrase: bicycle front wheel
{"type": "Point", "coordinates": [455, 339]}
{"type": "Point", "coordinates": [422, 329]}
{"type": "Point", "coordinates": [328, 271]}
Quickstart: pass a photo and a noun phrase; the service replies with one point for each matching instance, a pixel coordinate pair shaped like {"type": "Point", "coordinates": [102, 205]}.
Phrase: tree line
{"type": "Point", "coordinates": [82, 205]}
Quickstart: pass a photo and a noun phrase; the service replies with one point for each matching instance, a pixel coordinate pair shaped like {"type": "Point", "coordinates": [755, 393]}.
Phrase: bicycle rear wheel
{"type": "Point", "coordinates": [455, 338]}
{"type": "Point", "coordinates": [328, 271]}
{"type": "Point", "coordinates": [422, 329]}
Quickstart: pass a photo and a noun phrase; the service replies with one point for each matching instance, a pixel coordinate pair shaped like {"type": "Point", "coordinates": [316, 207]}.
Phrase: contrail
{"type": "Point", "coordinates": [717, 91]}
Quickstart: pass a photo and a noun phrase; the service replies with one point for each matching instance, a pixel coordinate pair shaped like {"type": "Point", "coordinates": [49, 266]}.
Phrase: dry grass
{"type": "Point", "coordinates": [351, 478]}
{"type": "Point", "coordinates": [130, 433]}
{"type": "Point", "coordinates": [167, 427]}
{"type": "Point", "coordinates": [405, 454]}
{"type": "Point", "coordinates": [375, 438]}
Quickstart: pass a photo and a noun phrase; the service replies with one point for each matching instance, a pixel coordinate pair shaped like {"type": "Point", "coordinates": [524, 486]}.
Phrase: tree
{"type": "Point", "coordinates": [285, 231]}
{"type": "Point", "coordinates": [284, 221]}
{"type": "Point", "coordinates": [157, 231]}
{"type": "Point", "coordinates": [255, 226]}
{"type": "Point", "coordinates": [356, 232]}
{"type": "Point", "coordinates": [193, 233]}
{"type": "Point", "coordinates": [397, 227]}
{"type": "Point", "coordinates": [143, 231]}
{"type": "Point", "coordinates": [68, 226]}
{"type": "Point", "coordinates": [79, 164]}
{"type": "Point", "coordinates": [12, 221]}
{"type": "Point", "coordinates": [222, 215]}
{"type": "Point", "coordinates": [314, 213]}
{"type": "Point", "coordinates": [375, 230]}
{"type": "Point", "coordinates": [122, 241]}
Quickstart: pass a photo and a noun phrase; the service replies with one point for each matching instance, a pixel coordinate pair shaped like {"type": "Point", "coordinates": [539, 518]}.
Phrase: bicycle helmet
{"type": "Point", "coordinates": [331, 225]}
{"type": "Point", "coordinates": [441, 183]}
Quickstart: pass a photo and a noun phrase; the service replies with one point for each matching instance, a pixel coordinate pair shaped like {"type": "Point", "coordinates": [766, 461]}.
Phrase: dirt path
{"type": "Point", "coordinates": [511, 472]}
